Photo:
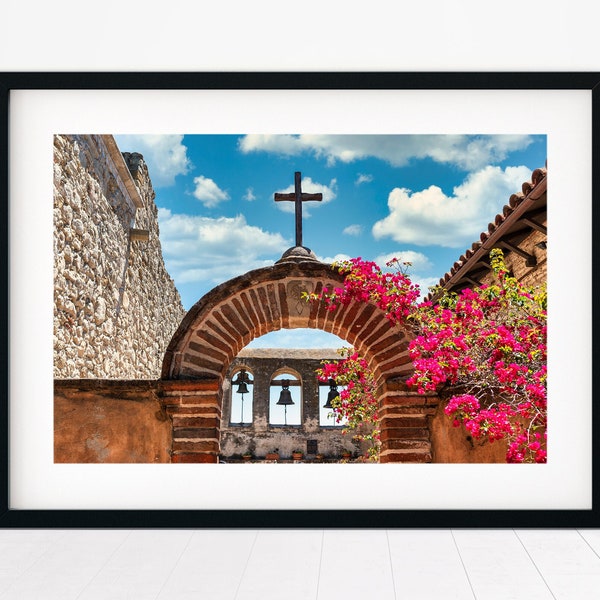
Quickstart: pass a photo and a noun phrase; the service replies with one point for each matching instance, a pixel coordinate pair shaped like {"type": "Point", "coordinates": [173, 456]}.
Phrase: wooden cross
{"type": "Point", "coordinates": [298, 197]}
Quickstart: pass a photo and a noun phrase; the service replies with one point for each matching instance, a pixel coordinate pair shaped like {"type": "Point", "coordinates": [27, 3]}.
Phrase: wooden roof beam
{"type": "Point", "coordinates": [530, 260]}
{"type": "Point", "coordinates": [535, 225]}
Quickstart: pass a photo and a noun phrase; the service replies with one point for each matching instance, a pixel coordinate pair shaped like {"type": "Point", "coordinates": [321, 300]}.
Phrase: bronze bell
{"type": "Point", "coordinates": [333, 393]}
{"type": "Point", "coordinates": [242, 388]}
{"type": "Point", "coordinates": [285, 398]}
{"type": "Point", "coordinates": [242, 380]}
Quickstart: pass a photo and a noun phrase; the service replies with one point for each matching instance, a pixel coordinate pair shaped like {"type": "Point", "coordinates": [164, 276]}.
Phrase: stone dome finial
{"type": "Point", "coordinates": [297, 254]}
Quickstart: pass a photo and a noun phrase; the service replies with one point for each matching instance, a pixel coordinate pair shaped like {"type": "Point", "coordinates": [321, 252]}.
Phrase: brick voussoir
{"type": "Point", "coordinates": [203, 349]}
{"type": "Point", "coordinates": [251, 313]}
{"type": "Point", "coordinates": [260, 314]}
{"type": "Point", "coordinates": [243, 313]}
{"type": "Point", "coordinates": [264, 303]}
{"type": "Point", "coordinates": [275, 308]}
{"type": "Point", "coordinates": [355, 312]}
{"type": "Point", "coordinates": [380, 331]}
{"type": "Point", "coordinates": [396, 349]}
{"type": "Point", "coordinates": [285, 315]}
{"type": "Point", "coordinates": [204, 363]}
{"type": "Point", "coordinates": [217, 342]}
{"type": "Point", "coordinates": [238, 325]}
{"type": "Point", "coordinates": [224, 329]}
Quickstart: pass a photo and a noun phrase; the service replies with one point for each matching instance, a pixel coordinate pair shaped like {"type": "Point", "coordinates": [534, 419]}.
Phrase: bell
{"type": "Point", "coordinates": [333, 393]}
{"type": "Point", "coordinates": [242, 388]}
{"type": "Point", "coordinates": [242, 380]}
{"type": "Point", "coordinates": [285, 398]}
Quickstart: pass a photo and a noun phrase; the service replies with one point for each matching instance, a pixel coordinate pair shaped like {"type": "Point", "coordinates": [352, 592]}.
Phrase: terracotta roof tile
{"type": "Point", "coordinates": [537, 176]}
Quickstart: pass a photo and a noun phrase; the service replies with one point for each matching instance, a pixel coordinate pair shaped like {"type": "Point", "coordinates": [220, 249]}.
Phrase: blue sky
{"type": "Point", "coordinates": [421, 198]}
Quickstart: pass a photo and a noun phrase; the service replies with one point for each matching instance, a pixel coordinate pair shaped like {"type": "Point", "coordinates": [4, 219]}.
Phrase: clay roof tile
{"type": "Point", "coordinates": [538, 175]}
{"type": "Point", "coordinates": [527, 187]}
{"type": "Point", "coordinates": [515, 199]}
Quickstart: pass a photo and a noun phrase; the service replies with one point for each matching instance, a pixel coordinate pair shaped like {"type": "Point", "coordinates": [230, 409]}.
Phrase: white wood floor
{"type": "Point", "coordinates": [299, 564]}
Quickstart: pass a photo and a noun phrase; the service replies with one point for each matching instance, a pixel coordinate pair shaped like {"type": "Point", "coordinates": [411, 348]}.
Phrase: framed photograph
{"type": "Point", "coordinates": [171, 242]}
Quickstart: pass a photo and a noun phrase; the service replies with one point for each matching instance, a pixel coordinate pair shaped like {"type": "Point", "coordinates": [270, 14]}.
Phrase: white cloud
{"type": "Point", "coordinates": [466, 151]}
{"type": "Point", "coordinates": [332, 259]}
{"type": "Point", "coordinates": [310, 187]}
{"type": "Point", "coordinates": [202, 249]}
{"type": "Point", "coordinates": [362, 178]}
{"type": "Point", "coordinates": [418, 261]}
{"type": "Point", "coordinates": [249, 196]}
{"type": "Point", "coordinates": [429, 217]}
{"type": "Point", "coordinates": [165, 155]}
{"type": "Point", "coordinates": [424, 284]}
{"type": "Point", "coordinates": [208, 192]}
{"type": "Point", "coordinates": [353, 230]}
{"type": "Point", "coordinates": [288, 145]}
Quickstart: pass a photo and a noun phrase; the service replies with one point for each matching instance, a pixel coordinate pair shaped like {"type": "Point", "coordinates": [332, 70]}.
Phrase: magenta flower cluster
{"type": "Point", "coordinates": [486, 346]}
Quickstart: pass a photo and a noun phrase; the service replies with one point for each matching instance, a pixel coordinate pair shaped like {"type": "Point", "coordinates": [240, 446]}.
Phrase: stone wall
{"type": "Point", "coordinates": [115, 306]}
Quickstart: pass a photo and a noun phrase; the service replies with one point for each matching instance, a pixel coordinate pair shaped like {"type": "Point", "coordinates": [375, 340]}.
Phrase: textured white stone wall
{"type": "Point", "coordinates": [115, 305]}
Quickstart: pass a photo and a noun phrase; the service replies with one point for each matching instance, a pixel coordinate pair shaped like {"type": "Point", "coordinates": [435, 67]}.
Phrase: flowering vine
{"type": "Point", "coordinates": [483, 349]}
{"type": "Point", "coordinates": [357, 402]}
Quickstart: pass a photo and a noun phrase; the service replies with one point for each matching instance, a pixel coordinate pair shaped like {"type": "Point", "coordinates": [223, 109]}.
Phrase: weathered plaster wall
{"type": "Point", "coordinates": [115, 305]}
{"type": "Point", "coordinates": [455, 445]}
{"type": "Point", "coordinates": [110, 422]}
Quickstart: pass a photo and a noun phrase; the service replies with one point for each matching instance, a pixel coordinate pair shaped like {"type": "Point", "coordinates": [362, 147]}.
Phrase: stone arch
{"type": "Point", "coordinates": [226, 319]}
{"type": "Point", "coordinates": [230, 316]}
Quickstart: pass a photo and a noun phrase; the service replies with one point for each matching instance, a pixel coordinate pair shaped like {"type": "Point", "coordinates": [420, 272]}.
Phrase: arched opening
{"type": "Point", "coordinates": [228, 318]}
{"type": "Point", "coordinates": [241, 396]}
{"type": "Point", "coordinates": [327, 417]}
{"type": "Point", "coordinates": [285, 398]}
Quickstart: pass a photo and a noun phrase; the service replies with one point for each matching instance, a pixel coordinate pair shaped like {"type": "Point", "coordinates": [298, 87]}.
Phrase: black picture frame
{"type": "Point", "coordinates": [167, 518]}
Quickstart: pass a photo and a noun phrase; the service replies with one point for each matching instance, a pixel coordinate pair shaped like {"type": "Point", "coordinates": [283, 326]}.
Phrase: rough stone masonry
{"type": "Point", "coordinates": [115, 305]}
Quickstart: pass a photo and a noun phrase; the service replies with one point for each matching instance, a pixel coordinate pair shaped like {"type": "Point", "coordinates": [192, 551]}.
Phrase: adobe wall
{"type": "Point", "coordinates": [451, 444]}
{"type": "Point", "coordinates": [110, 422]}
{"type": "Point", "coordinates": [115, 305]}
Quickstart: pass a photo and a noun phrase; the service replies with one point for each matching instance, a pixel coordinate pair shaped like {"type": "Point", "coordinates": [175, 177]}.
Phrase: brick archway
{"type": "Point", "coordinates": [229, 317]}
